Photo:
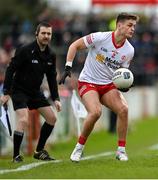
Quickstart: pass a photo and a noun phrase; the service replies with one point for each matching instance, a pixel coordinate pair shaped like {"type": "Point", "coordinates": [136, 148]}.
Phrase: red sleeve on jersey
{"type": "Point", "coordinates": [89, 39]}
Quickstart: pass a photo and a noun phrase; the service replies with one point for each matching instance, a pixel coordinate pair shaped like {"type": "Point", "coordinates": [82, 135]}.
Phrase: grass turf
{"type": "Point", "coordinates": [142, 164]}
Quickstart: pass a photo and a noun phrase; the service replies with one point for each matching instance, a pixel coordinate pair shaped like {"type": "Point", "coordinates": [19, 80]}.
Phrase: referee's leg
{"type": "Point", "coordinates": [45, 132]}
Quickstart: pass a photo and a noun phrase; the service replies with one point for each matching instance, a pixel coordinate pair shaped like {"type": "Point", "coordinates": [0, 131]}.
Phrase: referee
{"type": "Point", "coordinates": [23, 79]}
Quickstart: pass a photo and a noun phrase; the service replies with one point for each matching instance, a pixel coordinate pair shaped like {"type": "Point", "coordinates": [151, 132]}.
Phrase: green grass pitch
{"type": "Point", "coordinates": [142, 164]}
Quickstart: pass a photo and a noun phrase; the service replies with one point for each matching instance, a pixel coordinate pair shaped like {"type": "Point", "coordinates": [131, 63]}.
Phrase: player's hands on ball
{"type": "Point", "coordinates": [124, 89]}
{"type": "Point", "coordinates": [123, 79]}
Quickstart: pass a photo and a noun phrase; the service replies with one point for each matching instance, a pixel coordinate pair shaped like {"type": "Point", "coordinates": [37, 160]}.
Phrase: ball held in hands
{"type": "Point", "coordinates": [123, 79]}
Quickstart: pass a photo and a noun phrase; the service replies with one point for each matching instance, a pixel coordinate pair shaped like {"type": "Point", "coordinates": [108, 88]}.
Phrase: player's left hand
{"type": "Point", "coordinates": [124, 89]}
{"type": "Point", "coordinates": [57, 105]}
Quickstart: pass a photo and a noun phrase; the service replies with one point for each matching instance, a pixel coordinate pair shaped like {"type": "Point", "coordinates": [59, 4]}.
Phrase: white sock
{"type": "Point", "coordinates": [80, 146]}
{"type": "Point", "coordinates": [121, 148]}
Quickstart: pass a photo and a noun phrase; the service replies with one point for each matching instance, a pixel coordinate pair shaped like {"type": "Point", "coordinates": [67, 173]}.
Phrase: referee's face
{"type": "Point", "coordinates": [44, 36]}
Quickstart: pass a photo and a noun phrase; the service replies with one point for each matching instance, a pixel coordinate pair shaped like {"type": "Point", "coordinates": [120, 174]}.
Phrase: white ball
{"type": "Point", "coordinates": [123, 78]}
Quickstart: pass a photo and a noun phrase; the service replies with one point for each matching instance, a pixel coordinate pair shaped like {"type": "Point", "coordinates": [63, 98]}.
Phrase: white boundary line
{"type": "Point", "coordinates": [97, 155]}
{"type": "Point", "coordinates": [27, 166]}
{"type": "Point", "coordinates": [154, 147]}
{"type": "Point", "coordinates": [36, 164]}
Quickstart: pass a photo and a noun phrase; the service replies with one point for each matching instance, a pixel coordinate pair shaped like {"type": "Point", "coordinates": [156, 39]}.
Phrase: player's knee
{"type": "Point", "coordinates": [95, 114]}
{"type": "Point", "coordinates": [124, 109]}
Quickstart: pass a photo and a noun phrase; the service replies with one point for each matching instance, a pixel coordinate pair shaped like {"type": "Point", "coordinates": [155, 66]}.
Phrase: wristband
{"type": "Point", "coordinates": [68, 63]}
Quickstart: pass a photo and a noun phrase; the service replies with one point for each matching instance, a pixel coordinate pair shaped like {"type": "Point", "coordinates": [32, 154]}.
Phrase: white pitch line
{"type": "Point", "coordinates": [28, 166]}
{"type": "Point", "coordinates": [36, 164]}
{"type": "Point", "coordinates": [154, 147]}
{"type": "Point", "coordinates": [97, 155]}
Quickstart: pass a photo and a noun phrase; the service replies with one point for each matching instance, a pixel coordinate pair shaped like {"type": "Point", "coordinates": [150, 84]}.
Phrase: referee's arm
{"type": "Point", "coordinates": [15, 63]}
{"type": "Point", "coordinates": [52, 82]}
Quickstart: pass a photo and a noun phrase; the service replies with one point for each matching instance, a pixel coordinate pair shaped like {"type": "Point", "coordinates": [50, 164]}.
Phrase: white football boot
{"type": "Point", "coordinates": [121, 155]}
{"type": "Point", "coordinates": [77, 153]}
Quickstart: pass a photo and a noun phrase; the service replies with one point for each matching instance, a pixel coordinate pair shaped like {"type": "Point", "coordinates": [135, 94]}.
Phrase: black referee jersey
{"type": "Point", "coordinates": [27, 69]}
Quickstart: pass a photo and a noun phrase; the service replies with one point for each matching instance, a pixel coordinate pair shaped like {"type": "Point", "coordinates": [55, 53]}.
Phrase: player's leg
{"type": "Point", "coordinates": [117, 103]}
{"type": "Point", "coordinates": [93, 106]}
{"type": "Point", "coordinates": [45, 132]}
{"type": "Point", "coordinates": [91, 102]}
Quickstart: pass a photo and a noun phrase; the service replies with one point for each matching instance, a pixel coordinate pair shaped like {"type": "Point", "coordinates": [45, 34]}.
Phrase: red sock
{"type": "Point", "coordinates": [122, 143]}
{"type": "Point", "coordinates": [82, 140]}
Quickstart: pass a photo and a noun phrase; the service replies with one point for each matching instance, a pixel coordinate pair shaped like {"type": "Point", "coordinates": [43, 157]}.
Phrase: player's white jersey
{"type": "Point", "coordinates": [104, 57]}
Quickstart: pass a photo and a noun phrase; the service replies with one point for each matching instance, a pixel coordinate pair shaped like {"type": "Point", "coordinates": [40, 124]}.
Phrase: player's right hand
{"type": "Point", "coordinates": [66, 73]}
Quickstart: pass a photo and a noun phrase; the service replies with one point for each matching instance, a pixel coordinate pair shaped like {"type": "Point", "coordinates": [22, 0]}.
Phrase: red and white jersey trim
{"type": "Point", "coordinates": [104, 57]}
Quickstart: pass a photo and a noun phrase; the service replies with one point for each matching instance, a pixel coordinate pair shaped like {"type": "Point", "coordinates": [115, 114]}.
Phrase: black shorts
{"type": "Point", "coordinates": [23, 100]}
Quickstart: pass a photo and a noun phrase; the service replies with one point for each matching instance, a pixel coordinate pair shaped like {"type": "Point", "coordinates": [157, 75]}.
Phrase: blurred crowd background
{"type": "Point", "coordinates": [19, 18]}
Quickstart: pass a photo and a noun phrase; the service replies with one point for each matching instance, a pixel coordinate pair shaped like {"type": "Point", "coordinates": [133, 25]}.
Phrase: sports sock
{"type": "Point", "coordinates": [82, 140]}
{"type": "Point", "coordinates": [79, 146]}
{"type": "Point", "coordinates": [45, 132]}
{"type": "Point", "coordinates": [120, 148]}
{"type": "Point", "coordinates": [17, 140]}
{"type": "Point", "coordinates": [121, 145]}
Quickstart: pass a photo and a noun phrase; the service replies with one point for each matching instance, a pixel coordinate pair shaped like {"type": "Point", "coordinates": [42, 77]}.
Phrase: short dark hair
{"type": "Point", "coordinates": [42, 24]}
{"type": "Point", "coordinates": [126, 16]}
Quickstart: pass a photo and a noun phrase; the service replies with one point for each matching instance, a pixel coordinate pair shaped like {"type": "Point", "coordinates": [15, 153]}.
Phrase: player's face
{"type": "Point", "coordinates": [127, 28]}
{"type": "Point", "coordinates": [44, 36]}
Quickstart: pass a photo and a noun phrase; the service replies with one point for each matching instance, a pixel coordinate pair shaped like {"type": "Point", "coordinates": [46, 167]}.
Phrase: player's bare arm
{"type": "Point", "coordinates": [74, 47]}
